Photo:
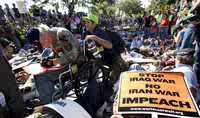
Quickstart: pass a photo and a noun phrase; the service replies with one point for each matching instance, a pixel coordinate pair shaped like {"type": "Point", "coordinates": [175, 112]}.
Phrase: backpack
{"type": "Point", "coordinates": [117, 42]}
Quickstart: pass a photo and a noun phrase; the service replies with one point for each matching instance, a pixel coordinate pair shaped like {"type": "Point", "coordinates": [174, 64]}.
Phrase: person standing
{"type": "Point", "coordinates": [9, 13]}
{"type": "Point", "coordinates": [2, 16]}
{"type": "Point", "coordinates": [16, 12]}
{"type": "Point", "coordinates": [9, 88]}
{"type": "Point", "coordinates": [164, 25]}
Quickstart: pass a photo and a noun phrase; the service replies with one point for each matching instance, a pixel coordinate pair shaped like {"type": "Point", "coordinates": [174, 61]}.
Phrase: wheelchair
{"type": "Point", "coordinates": [73, 82]}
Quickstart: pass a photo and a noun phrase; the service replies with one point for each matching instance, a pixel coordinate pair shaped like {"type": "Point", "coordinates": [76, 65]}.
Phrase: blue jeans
{"type": "Point", "coordinates": [146, 31]}
{"type": "Point", "coordinates": [45, 84]}
{"type": "Point", "coordinates": [163, 32]}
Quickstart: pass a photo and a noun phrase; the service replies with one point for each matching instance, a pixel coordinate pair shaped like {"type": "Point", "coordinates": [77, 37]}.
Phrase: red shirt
{"type": "Point", "coordinates": [164, 22]}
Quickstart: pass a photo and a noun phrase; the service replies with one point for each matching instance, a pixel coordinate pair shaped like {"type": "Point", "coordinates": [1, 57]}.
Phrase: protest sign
{"type": "Point", "coordinates": [162, 93]}
{"type": "Point", "coordinates": [21, 5]}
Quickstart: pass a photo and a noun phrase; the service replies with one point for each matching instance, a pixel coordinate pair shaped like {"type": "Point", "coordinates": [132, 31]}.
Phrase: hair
{"type": "Point", "coordinates": [53, 32]}
{"type": "Point", "coordinates": [43, 29]}
{"type": "Point", "coordinates": [4, 42]}
{"type": "Point", "coordinates": [185, 59]}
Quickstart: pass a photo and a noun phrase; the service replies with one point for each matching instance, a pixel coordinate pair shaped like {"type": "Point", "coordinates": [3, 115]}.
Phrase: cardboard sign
{"type": "Point", "coordinates": [162, 93]}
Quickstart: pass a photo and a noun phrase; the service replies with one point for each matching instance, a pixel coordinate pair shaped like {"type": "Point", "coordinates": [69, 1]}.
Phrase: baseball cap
{"type": "Point", "coordinates": [92, 18]}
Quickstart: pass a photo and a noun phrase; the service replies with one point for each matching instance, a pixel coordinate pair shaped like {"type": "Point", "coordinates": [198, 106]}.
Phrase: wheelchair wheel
{"type": "Point", "coordinates": [90, 70]}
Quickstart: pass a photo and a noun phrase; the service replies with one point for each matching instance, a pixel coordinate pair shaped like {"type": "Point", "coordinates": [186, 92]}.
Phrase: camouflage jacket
{"type": "Point", "coordinates": [70, 46]}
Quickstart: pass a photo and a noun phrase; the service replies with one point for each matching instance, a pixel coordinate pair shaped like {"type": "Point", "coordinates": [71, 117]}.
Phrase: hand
{"type": "Point", "coordinates": [56, 61]}
{"type": "Point", "coordinates": [90, 37]}
{"type": "Point", "coordinates": [22, 76]}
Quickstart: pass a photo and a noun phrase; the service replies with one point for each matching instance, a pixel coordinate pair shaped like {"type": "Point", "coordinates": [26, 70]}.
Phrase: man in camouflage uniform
{"type": "Point", "coordinates": [66, 49]}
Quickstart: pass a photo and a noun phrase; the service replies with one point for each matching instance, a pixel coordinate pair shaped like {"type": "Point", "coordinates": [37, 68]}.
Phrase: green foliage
{"type": "Point", "coordinates": [130, 7]}
{"type": "Point", "coordinates": [103, 8]}
{"type": "Point", "coordinates": [160, 5]}
{"type": "Point", "coordinates": [106, 7]}
{"type": "Point", "coordinates": [154, 6]}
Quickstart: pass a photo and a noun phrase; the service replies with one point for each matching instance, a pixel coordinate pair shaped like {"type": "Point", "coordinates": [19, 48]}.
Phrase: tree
{"type": "Point", "coordinates": [105, 8]}
{"type": "Point", "coordinates": [130, 7]}
{"type": "Point", "coordinates": [159, 5]}
{"type": "Point", "coordinates": [96, 6]}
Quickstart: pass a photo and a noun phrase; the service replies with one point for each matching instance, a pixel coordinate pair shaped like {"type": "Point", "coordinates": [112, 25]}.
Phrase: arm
{"type": "Point", "coordinates": [102, 42]}
{"type": "Point", "coordinates": [72, 55]}
{"type": "Point", "coordinates": [177, 39]}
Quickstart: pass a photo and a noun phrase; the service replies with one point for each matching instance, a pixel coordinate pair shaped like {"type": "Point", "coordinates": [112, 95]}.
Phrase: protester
{"type": "Point", "coordinates": [147, 26]}
{"type": "Point", "coordinates": [9, 13]}
{"type": "Point", "coordinates": [16, 12]}
{"type": "Point", "coordinates": [184, 62]}
{"type": "Point", "coordinates": [179, 37]}
{"type": "Point", "coordinates": [164, 27]}
{"type": "Point", "coordinates": [66, 51]}
{"type": "Point", "coordinates": [188, 37]}
{"type": "Point", "coordinates": [2, 16]}
{"type": "Point", "coordinates": [9, 88]}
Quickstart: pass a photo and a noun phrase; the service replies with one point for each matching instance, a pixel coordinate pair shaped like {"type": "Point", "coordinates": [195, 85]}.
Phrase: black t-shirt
{"type": "Point", "coordinates": [36, 12]}
{"type": "Point", "coordinates": [8, 12]}
{"type": "Point", "coordinates": [108, 55]}
{"type": "Point", "coordinates": [147, 21]}
{"type": "Point", "coordinates": [16, 11]}
{"type": "Point", "coordinates": [2, 13]}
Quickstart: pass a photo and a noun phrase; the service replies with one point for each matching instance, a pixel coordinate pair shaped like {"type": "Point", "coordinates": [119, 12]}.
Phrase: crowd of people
{"type": "Point", "coordinates": [171, 38]}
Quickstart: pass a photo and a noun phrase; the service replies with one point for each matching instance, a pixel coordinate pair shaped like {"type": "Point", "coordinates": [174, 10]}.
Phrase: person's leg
{"type": "Point", "coordinates": [166, 31]}
{"type": "Point", "coordinates": [92, 99]}
{"type": "Point", "coordinates": [45, 85]}
{"type": "Point", "coordinates": [117, 67]}
{"type": "Point", "coordinates": [9, 88]}
{"type": "Point", "coordinates": [162, 37]}
{"type": "Point", "coordinates": [15, 103]}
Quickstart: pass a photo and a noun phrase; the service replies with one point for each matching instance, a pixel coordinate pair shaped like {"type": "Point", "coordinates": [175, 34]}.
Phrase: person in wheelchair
{"type": "Point", "coordinates": [66, 51]}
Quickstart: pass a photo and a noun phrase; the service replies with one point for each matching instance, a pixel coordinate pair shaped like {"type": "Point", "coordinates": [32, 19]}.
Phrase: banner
{"type": "Point", "coordinates": [163, 93]}
{"type": "Point", "coordinates": [21, 5]}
